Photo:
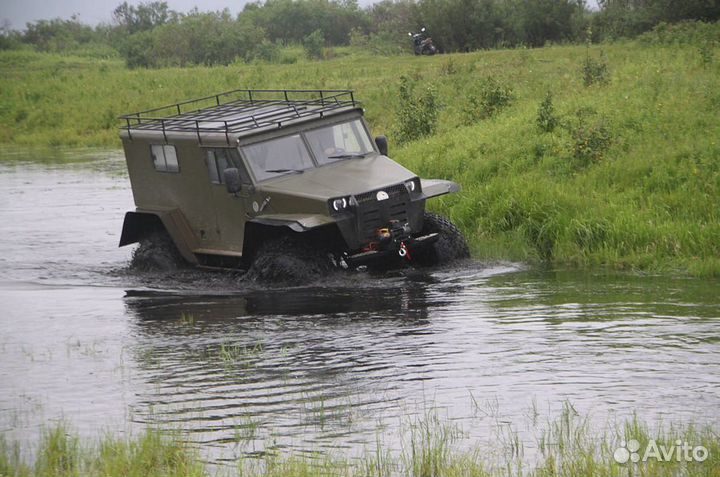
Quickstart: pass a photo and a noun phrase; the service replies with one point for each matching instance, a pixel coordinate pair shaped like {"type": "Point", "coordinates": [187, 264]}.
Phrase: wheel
{"type": "Point", "coordinates": [289, 259]}
{"type": "Point", "coordinates": [450, 246]}
{"type": "Point", "coordinates": [157, 252]}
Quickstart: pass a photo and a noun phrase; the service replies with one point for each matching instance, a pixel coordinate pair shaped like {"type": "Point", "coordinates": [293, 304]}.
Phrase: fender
{"type": "Point", "coordinates": [438, 187]}
{"type": "Point", "coordinates": [142, 222]}
{"type": "Point", "coordinates": [267, 227]}
{"type": "Point", "coordinates": [295, 222]}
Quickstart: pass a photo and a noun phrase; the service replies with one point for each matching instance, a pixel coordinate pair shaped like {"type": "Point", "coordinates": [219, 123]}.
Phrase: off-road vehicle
{"type": "Point", "coordinates": [281, 183]}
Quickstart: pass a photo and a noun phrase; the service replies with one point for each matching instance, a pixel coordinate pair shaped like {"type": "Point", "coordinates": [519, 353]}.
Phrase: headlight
{"type": "Point", "coordinates": [340, 204]}
{"type": "Point", "coordinates": [412, 185]}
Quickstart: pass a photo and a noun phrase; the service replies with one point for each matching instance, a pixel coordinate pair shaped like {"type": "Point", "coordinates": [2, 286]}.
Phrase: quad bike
{"type": "Point", "coordinates": [422, 44]}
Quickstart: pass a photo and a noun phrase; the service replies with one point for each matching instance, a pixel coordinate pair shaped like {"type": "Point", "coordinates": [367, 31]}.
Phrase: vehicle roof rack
{"type": "Point", "coordinates": [238, 111]}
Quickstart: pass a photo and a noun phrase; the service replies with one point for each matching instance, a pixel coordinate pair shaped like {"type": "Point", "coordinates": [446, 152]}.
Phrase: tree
{"type": "Point", "coordinates": [144, 17]}
{"type": "Point", "coordinates": [57, 34]}
{"type": "Point", "coordinates": [313, 44]}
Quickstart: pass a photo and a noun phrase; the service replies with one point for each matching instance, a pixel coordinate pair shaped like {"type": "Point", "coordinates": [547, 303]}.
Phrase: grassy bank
{"type": "Point", "coordinates": [566, 446]}
{"type": "Point", "coordinates": [619, 168]}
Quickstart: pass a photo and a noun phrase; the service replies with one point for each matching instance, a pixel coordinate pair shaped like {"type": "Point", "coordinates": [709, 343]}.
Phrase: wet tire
{"type": "Point", "coordinates": [157, 252]}
{"type": "Point", "coordinates": [289, 260]}
{"type": "Point", "coordinates": [450, 246]}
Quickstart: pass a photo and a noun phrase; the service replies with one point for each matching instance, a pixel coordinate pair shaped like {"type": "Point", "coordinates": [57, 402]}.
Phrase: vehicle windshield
{"type": "Point", "coordinates": [338, 142]}
{"type": "Point", "coordinates": [277, 157]}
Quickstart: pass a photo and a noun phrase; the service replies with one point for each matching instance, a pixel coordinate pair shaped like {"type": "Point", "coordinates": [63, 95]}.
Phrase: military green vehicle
{"type": "Point", "coordinates": [280, 183]}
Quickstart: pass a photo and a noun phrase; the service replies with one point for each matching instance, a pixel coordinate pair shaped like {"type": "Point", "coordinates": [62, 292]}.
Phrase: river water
{"type": "Point", "coordinates": [337, 365]}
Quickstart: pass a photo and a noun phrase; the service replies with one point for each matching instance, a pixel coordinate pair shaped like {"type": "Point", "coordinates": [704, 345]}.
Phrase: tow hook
{"type": "Point", "coordinates": [403, 251]}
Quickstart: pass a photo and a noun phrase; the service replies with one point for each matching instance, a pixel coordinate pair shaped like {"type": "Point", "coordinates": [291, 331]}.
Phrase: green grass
{"type": "Point", "coordinates": [431, 446]}
{"type": "Point", "coordinates": [628, 178]}
{"type": "Point", "coordinates": [61, 452]}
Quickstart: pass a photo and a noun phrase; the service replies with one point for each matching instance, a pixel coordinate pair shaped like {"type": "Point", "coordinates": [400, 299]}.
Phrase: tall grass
{"type": "Point", "coordinates": [567, 446]}
{"type": "Point", "coordinates": [60, 452]}
{"type": "Point", "coordinates": [627, 177]}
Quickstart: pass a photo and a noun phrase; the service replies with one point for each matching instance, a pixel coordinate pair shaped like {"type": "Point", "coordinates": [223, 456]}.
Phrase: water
{"type": "Point", "coordinates": [337, 365]}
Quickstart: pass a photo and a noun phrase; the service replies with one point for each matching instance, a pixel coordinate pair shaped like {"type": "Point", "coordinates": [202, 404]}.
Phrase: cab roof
{"type": "Point", "coordinates": [236, 113]}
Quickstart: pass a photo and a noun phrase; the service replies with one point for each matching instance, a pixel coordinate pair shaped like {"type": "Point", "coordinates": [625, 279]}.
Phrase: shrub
{"type": "Point", "coordinates": [591, 139]}
{"type": "Point", "coordinates": [287, 58]}
{"type": "Point", "coordinates": [682, 33]}
{"type": "Point", "coordinates": [490, 98]}
{"type": "Point", "coordinates": [358, 39]}
{"type": "Point", "coordinates": [313, 45]}
{"type": "Point", "coordinates": [416, 114]}
{"type": "Point", "coordinates": [546, 118]}
{"type": "Point", "coordinates": [388, 44]}
{"type": "Point", "coordinates": [449, 67]}
{"type": "Point", "coordinates": [267, 51]}
{"type": "Point", "coordinates": [707, 54]}
{"type": "Point", "coordinates": [595, 71]}
{"type": "Point", "coordinates": [137, 50]}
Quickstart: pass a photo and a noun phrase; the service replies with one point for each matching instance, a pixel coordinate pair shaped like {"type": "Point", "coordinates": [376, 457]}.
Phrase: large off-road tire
{"type": "Point", "coordinates": [157, 252]}
{"type": "Point", "coordinates": [450, 246]}
{"type": "Point", "coordinates": [289, 260]}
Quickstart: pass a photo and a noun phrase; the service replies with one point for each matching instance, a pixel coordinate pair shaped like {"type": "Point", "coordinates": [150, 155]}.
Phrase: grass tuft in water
{"type": "Point", "coordinates": [568, 446]}
{"type": "Point", "coordinates": [61, 453]}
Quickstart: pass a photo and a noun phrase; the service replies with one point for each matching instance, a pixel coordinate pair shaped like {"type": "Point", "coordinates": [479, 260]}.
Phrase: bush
{"type": "Point", "coordinates": [490, 98]}
{"type": "Point", "coordinates": [707, 54]}
{"type": "Point", "coordinates": [388, 44]}
{"type": "Point", "coordinates": [416, 114]}
{"type": "Point", "coordinates": [313, 45]}
{"type": "Point", "coordinates": [595, 71]}
{"type": "Point", "coordinates": [358, 39]}
{"type": "Point", "coordinates": [267, 51]}
{"type": "Point", "coordinates": [287, 58]}
{"type": "Point", "coordinates": [682, 33]}
{"type": "Point", "coordinates": [137, 50]}
{"type": "Point", "coordinates": [546, 118]}
{"type": "Point", "coordinates": [591, 139]}
{"type": "Point", "coordinates": [449, 67]}
{"type": "Point", "coordinates": [10, 42]}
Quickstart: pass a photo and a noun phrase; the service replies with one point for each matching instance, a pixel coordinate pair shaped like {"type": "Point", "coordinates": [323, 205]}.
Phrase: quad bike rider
{"type": "Point", "coordinates": [422, 44]}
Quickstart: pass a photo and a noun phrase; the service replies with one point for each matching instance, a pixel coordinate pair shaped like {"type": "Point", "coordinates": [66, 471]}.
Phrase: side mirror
{"type": "Point", "coordinates": [382, 144]}
{"type": "Point", "coordinates": [231, 176]}
{"type": "Point", "coordinates": [423, 29]}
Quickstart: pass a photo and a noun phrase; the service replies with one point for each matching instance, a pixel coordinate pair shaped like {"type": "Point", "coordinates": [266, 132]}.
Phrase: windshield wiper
{"type": "Point", "coordinates": [349, 156]}
{"type": "Point", "coordinates": [297, 171]}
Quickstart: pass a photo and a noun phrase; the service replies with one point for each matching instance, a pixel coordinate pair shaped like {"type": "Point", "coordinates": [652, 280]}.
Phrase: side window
{"type": "Point", "coordinates": [220, 159]}
{"type": "Point", "coordinates": [164, 158]}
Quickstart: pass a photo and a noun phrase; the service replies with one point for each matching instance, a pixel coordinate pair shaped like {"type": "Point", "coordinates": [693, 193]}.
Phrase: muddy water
{"type": "Point", "coordinates": [337, 365]}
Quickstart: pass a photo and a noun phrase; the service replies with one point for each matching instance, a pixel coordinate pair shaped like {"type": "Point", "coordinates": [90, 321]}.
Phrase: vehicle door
{"type": "Point", "coordinates": [230, 209]}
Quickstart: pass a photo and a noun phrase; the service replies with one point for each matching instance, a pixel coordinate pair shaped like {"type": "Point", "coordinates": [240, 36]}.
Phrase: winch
{"type": "Point", "coordinates": [392, 238]}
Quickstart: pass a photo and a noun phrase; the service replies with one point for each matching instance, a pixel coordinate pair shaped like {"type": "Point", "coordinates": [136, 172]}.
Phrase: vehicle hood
{"type": "Point", "coordinates": [342, 178]}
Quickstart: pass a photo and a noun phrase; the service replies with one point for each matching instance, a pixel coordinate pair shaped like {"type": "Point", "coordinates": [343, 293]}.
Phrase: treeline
{"type": "Point", "coordinates": [151, 35]}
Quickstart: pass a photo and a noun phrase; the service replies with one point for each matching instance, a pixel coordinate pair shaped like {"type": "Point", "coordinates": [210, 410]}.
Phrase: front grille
{"type": "Point", "coordinates": [392, 192]}
{"type": "Point", "coordinates": [374, 214]}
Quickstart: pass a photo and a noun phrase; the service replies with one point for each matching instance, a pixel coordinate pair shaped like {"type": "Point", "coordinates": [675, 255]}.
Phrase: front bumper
{"type": "Point", "coordinates": [400, 250]}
